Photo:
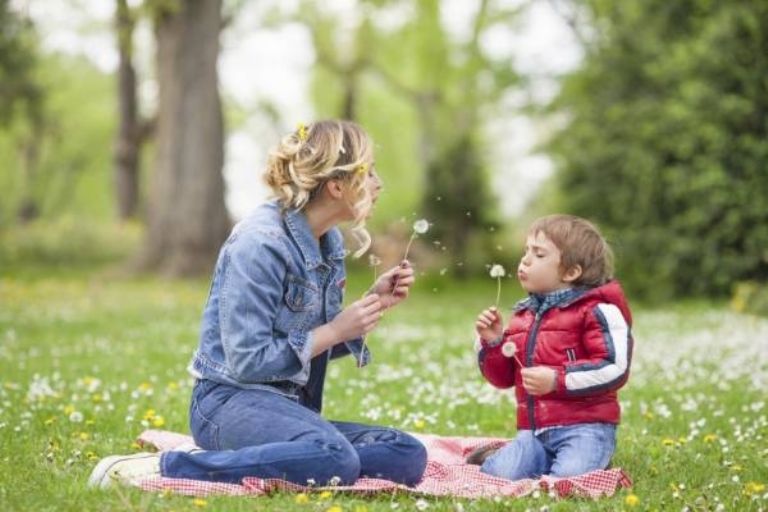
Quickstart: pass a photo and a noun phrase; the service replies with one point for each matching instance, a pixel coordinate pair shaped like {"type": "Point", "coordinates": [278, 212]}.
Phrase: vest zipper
{"type": "Point", "coordinates": [530, 345]}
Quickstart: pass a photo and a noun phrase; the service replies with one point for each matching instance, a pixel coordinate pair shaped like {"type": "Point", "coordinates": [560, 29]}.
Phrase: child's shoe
{"type": "Point", "coordinates": [124, 469]}
{"type": "Point", "coordinates": [480, 454]}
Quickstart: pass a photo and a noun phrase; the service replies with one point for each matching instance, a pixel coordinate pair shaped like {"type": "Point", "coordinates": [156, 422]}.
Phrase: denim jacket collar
{"type": "Point", "coordinates": [331, 243]}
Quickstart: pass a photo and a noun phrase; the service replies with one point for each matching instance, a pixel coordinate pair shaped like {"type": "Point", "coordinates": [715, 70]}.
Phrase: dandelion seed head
{"type": "Point", "coordinates": [421, 226]}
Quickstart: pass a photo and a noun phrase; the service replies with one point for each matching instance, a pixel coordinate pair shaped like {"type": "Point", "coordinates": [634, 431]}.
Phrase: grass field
{"type": "Point", "coordinates": [88, 361]}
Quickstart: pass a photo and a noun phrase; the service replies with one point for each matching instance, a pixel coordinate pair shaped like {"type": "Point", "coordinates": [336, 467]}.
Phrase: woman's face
{"type": "Point", "coordinates": [372, 186]}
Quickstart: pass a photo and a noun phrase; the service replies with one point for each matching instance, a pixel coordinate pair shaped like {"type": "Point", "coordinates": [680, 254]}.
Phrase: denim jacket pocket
{"type": "Point", "coordinates": [301, 299]}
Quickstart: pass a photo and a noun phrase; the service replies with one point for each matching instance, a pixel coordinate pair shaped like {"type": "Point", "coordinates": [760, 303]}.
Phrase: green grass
{"type": "Point", "coordinates": [694, 429]}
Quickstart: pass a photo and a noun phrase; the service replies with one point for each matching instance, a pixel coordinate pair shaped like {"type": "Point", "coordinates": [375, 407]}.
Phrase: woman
{"type": "Point", "coordinates": [273, 321]}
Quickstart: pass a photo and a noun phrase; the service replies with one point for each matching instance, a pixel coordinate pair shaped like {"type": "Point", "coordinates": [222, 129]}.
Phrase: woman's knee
{"type": "Point", "coordinates": [344, 462]}
{"type": "Point", "coordinates": [414, 459]}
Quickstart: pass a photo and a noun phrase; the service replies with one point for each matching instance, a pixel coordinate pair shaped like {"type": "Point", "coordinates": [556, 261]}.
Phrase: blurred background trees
{"type": "Point", "coordinates": [666, 141]}
{"type": "Point", "coordinates": [659, 135]}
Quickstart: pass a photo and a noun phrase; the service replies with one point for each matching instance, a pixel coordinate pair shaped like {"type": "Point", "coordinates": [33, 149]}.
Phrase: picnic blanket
{"type": "Point", "coordinates": [446, 474]}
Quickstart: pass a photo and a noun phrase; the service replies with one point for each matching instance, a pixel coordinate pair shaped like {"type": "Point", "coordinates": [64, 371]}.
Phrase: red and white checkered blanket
{"type": "Point", "coordinates": [447, 474]}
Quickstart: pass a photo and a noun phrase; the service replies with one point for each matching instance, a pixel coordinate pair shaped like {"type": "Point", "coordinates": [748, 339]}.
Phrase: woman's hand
{"type": "Point", "coordinates": [357, 319]}
{"type": "Point", "coordinates": [488, 324]}
{"type": "Point", "coordinates": [394, 285]}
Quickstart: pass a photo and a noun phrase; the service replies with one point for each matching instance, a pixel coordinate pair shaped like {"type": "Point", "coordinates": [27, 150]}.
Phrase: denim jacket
{"type": "Point", "coordinates": [272, 285]}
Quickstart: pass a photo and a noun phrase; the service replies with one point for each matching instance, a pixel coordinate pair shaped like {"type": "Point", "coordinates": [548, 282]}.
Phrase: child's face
{"type": "Point", "coordinates": [539, 268]}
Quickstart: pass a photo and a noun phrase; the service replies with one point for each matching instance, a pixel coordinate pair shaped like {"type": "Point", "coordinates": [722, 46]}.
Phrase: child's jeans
{"type": "Point", "coordinates": [558, 451]}
{"type": "Point", "coordinates": [260, 433]}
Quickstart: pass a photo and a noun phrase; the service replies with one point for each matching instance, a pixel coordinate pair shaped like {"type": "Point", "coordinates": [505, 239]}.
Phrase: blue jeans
{"type": "Point", "coordinates": [260, 433]}
{"type": "Point", "coordinates": [559, 451]}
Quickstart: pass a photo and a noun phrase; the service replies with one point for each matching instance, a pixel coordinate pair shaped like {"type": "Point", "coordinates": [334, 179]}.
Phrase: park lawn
{"type": "Point", "coordinates": [88, 361]}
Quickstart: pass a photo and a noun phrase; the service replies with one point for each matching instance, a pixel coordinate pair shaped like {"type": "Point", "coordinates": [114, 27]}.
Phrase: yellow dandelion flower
{"type": "Point", "coordinates": [631, 500]}
{"type": "Point", "coordinates": [69, 409]}
{"type": "Point", "coordinates": [84, 436]}
{"type": "Point", "coordinates": [301, 499]}
{"type": "Point", "coordinates": [149, 414]}
{"type": "Point", "coordinates": [419, 424]}
{"type": "Point", "coordinates": [50, 421]}
{"type": "Point", "coordinates": [710, 438]}
{"type": "Point", "coordinates": [668, 441]}
{"type": "Point", "coordinates": [736, 467]}
{"type": "Point", "coordinates": [199, 502]}
{"type": "Point", "coordinates": [302, 132]}
{"type": "Point", "coordinates": [325, 495]}
{"type": "Point", "coordinates": [753, 488]}
{"type": "Point", "coordinates": [158, 421]}
{"type": "Point", "coordinates": [334, 508]}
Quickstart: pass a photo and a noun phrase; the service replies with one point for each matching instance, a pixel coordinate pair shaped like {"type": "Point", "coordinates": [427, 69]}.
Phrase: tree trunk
{"type": "Point", "coordinates": [187, 220]}
{"type": "Point", "coordinates": [128, 140]}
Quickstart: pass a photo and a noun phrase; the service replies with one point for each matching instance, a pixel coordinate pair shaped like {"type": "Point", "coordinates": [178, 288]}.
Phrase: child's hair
{"type": "Point", "coordinates": [307, 158]}
{"type": "Point", "coordinates": [580, 243]}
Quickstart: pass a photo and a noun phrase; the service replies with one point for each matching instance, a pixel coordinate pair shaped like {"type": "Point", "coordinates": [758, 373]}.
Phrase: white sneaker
{"type": "Point", "coordinates": [188, 448]}
{"type": "Point", "coordinates": [124, 469]}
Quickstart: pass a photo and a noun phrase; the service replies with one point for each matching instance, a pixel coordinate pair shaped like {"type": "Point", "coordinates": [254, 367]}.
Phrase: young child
{"type": "Point", "coordinates": [567, 351]}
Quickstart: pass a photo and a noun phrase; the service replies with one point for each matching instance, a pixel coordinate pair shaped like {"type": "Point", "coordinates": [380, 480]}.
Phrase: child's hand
{"type": "Point", "coordinates": [539, 380]}
{"type": "Point", "coordinates": [488, 324]}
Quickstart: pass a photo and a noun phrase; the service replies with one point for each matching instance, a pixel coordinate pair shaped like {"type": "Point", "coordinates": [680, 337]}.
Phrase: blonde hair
{"type": "Point", "coordinates": [307, 158]}
{"type": "Point", "coordinates": [580, 243]}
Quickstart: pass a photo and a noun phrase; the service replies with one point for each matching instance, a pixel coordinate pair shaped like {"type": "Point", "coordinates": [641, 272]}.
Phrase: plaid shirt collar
{"type": "Point", "coordinates": [540, 303]}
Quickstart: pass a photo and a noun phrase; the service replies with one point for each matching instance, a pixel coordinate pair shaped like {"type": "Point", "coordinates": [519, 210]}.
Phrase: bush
{"type": "Point", "coordinates": [67, 241]}
{"type": "Point", "coordinates": [750, 297]}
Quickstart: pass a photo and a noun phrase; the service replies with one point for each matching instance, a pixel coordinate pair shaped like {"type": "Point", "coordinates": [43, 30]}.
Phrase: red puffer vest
{"type": "Point", "coordinates": [586, 339]}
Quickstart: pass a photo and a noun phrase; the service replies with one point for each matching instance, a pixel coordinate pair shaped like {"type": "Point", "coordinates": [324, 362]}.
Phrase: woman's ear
{"type": "Point", "coordinates": [572, 274]}
{"type": "Point", "coordinates": [335, 189]}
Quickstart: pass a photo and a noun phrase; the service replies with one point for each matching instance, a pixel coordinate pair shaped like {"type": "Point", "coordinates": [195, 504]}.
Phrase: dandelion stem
{"type": "Point", "coordinates": [498, 291]}
{"type": "Point", "coordinates": [408, 247]}
{"type": "Point", "coordinates": [362, 348]}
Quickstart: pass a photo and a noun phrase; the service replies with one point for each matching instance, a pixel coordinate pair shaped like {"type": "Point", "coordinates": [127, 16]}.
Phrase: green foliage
{"type": "Point", "coordinates": [20, 94]}
{"type": "Point", "coordinates": [71, 168]}
{"type": "Point", "coordinates": [667, 141]}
